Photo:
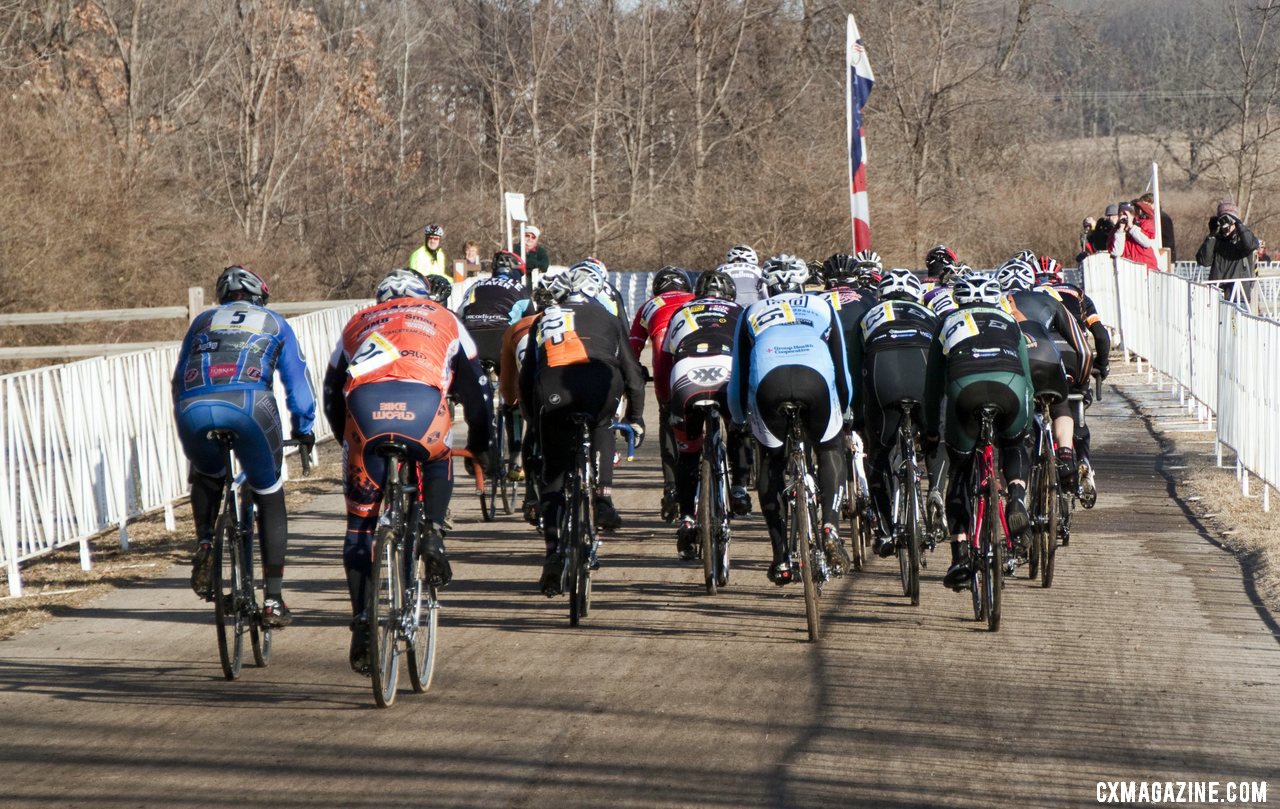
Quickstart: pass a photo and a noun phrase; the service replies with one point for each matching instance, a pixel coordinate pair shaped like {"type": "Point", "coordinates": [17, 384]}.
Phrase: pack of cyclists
{"type": "Point", "coordinates": [851, 346]}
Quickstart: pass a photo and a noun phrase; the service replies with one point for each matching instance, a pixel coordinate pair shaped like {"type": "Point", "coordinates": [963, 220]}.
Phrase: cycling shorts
{"type": "Point", "coordinates": [253, 416]}
{"type": "Point", "coordinates": [1008, 391]}
{"type": "Point", "coordinates": [819, 415]}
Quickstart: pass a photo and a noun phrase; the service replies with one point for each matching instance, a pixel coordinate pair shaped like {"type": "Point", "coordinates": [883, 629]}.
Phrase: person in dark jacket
{"type": "Point", "coordinates": [1228, 249]}
{"type": "Point", "coordinates": [536, 259]}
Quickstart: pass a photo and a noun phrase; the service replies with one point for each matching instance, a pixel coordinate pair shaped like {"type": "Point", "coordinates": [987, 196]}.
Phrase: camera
{"type": "Point", "coordinates": [1215, 224]}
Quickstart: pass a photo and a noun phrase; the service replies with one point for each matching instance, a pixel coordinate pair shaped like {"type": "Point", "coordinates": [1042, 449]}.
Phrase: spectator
{"type": "Point", "coordinates": [1228, 249]}
{"type": "Point", "coordinates": [1135, 235]}
{"type": "Point", "coordinates": [1263, 256]}
{"type": "Point", "coordinates": [1086, 228]}
{"type": "Point", "coordinates": [1100, 236]}
{"type": "Point", "coordinates": [471, 264]}
{"type": "Point", "coordinates": [1166, 227]}
{"type": "Point", "coordinates": [429, 259]}
{"type": "Point", "coordinates": [535, 255]}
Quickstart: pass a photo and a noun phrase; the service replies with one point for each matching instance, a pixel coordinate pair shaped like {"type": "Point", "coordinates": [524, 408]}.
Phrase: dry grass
{"type": "Point", "coordinates": [1213, 494]}
{"type": "Point", "coordinates": [54, 585]}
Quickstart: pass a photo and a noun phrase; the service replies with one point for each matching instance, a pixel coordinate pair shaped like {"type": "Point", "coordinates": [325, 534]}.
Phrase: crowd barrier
{"type": "Point", "coordinates": [87, 445]}
{"type": "Point", "coordinates": [1217, 355]}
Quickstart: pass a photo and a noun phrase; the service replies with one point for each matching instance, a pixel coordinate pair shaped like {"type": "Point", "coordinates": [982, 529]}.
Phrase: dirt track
{"type": "Point", "coordinates": [1147, 660]}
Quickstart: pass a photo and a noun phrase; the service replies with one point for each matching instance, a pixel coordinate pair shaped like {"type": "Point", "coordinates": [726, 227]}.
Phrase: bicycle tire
{"type": "Point", "coordinates": [227, 597]}
{"type": "Point", "coordinates": [803, 542]}
{"type": "Point", "coordinates": [994, 581]}
{"type": "Point", "coordinates": [489, 494]}
{"type": "Point", "coordinates": [1035, 508]}
{"type": "Point", "coordinates": [570, 537]}
{"type": "Point", "coordinates": [915, 536]}
{"type": "Point", "coordinates": [1049, 547]}
{"type": "Point", "coordinates": [708, 526]}
{"type": "Point", "coordinates": [385, 598]}
{"type": "Point", "coordinates": [425, 637]}
{"type": "Point", "coordinates": [857, 555]}
{"type": "Point", "coordinates": [259, 632]}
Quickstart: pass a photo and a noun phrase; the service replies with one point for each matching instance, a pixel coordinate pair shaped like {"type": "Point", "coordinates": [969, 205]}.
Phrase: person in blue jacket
{"type": "Point", "coordinates": [223, 381]}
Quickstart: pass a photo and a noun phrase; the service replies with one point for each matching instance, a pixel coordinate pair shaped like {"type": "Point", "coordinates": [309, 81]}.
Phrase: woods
{"type": "Point", "coordinates": [149, 144]}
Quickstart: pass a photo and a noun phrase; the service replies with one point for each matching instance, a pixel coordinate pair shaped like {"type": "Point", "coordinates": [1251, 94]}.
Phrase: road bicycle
{"type": "Point", "coordinates": [856, 505]}
{"type": "Point", "coordinates": [1049, 503]}
{"type": "Point", "coordinates": [712, 515]}
{"type": "Point", "coordinates": [910, 535]}
{"type": "Point", "coordinates": [498, 488]}
{"type": "Point", "coordinates": [579, 543]}
{"type": "Point", "coordinates": [988, 531]}
{"type": "Point", "coordinates": [402, 605]}
{"type": "Point", "coordinates": [803, 516]}
{"type": "Point", "coordinates": [236, 609]}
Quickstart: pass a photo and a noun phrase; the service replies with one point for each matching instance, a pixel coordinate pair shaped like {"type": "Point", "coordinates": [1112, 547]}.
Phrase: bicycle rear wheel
{"type": "Point", "coordinates": [993, 554]}
{"type": "Point", "coordinates": [385, 605]}
{"type": "Point", "coordinates": [1049, 546]}
{"type": "Point", "coordinates": [497, 455]}
{"type": "Point", "coordinates": [228, 594]}
{"type": "Point", "coordinates": [914, 537]}
{"type": "Point", "coordinates": [708, 524]}
{"type": "Point", "coordinates": [802, 540]}
{"type": "Point", "coordinates": [422, 641]}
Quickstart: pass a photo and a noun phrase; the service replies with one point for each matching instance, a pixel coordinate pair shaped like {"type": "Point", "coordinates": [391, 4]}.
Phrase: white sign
{"type": "Point", "coordinates": [515, 207]}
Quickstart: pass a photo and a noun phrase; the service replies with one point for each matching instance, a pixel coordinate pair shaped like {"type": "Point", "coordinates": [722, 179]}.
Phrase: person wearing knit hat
{"type": "Point", "coordinates": [1228, 250]}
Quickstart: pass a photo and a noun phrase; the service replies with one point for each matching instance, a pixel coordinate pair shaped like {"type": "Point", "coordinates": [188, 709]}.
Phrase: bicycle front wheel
{"type": "Point", "coordinates": [422, 641]}
{"type": "Point", "coordinates": [384, 608]}
{"type": "Point", "coordinates": [803, 541]}
{"type": "Point", "coordinates": [708, 523]}
{"type": "Point", "coordinates": [228, 594]}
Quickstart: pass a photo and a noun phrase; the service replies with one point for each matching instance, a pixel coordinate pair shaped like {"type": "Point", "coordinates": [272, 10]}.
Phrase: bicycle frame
{"type": "Point", "coordinates": [989, 538]}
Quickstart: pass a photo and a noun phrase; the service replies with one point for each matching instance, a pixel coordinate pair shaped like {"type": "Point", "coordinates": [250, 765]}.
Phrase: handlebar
{"type": "Point", "coordinates": [630, 435]}
{"type": "Point", "coordinates": [475, 468]}
{"type": "Point", "coordinates": [304, 456]}
{"type": "Point", "coordinates": [1097, 386]}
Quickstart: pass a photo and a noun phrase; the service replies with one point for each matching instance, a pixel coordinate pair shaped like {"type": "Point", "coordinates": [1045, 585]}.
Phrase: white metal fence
{"type": "Point", "coordinates": [87, 445]}
{"type": "Point", "coordinates": [1217, 356]}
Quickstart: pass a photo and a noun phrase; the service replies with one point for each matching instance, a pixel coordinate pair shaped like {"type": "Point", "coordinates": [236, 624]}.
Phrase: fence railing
{"type": "Point", "coordinates": [87, 445]}
{"type": "Point", "coordinates": [1218, 357]}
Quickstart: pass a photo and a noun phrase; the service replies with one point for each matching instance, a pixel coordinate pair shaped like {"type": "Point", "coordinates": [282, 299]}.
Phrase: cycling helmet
{"type": "Point", "coordinates": [541, 296]}
{"type": "Point", "coordinates": [816, 276]}
{"type": "Point", "coordinates": [1027, 256]}
{"type": "Point", "coordinates": [580, 279]}
{"type": "Point", "coordinates": [785, 273]}
{"type": "Point", "coordinates": [670, 278]}
{"type": "Point", "coordinates": [838, 268]}
{"type": "Point", "coordinates": [239, 283]}
{"type": "Point", "coordinates": [401, 283]}
{"type": "Point", "coordinates": [508, 264]}
{"type": "Point", "coordinates": [868, 275]}
{"type": "Point", "coordinates": [432, 230]}
{"type": "Point", "coordinates": [596, 265]}
{"type": "Point", "coordinates": [976, 289]}
{"type": "Point", "coordinates": [870, 257]}
{"type": "Point", "coordinates": [439, 288]}
{"type": "Point", "coordinates": [1050, 271]}
{"type": "Point", "coordinates": [741, 253]}
{"type": "Point", "coordinates": [1016, 275]}
{"type": "Point", "coordinates": [941, 263]}
{"type": "Point", "coordinates": [716, 284]}
{"type": "Point", "coordinates": [902, 285]}
{"type": "Point", "coordinates": [964, 270]}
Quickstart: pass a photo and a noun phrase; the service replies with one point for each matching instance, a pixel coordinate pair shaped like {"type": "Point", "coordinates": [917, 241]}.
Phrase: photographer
{"type": "Point", "coordinates": [1228, 249]}
{"type": "Point", "coordinates": [1135, 236]}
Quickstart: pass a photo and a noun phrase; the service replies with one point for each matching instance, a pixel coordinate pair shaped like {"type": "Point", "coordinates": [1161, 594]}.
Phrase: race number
{"type": "Point", "coordinates": [374, 353]}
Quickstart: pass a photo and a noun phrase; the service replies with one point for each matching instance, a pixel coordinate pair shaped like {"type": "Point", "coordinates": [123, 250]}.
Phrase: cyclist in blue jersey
{"type": "Point", "coordinates": [223, 381]}
{"type": "Point", "coordinates": [789, 348]}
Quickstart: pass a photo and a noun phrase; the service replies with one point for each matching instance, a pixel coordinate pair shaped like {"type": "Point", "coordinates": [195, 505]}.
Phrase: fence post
{"type": "Point", "coordinates": [195, 302]}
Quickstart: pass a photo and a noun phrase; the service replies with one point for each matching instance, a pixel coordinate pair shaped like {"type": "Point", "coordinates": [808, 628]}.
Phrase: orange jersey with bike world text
{"type": "Point", "coordinates": [404, 338]}
{"type": "Point", "coordinates": [513, 346]}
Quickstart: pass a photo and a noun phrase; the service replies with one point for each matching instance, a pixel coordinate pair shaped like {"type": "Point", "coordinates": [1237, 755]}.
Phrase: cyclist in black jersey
{"type": "Point", "coordinates": [577, 362]}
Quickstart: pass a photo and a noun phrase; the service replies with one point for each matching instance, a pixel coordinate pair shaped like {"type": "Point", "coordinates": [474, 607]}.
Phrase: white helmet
{"type": "Point", "coordinates": [580, 279]}
{"type": "Point", "coordinates": [870, 257]}
{"type": "Point", "coordinates": [741, 253]}
{"type": "Point", "coordinates": [401, 283]}
{"type": "Point", "coordinates": [976, 289]}
{"type": "Point", "coordinates": [1016, 274]}
{"type": "Point", "coordinates": [901, 283]}
{"type": "Point", "coordinates": [785, 273]}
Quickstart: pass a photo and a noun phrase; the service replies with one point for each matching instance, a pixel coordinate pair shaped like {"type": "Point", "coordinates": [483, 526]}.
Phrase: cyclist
{"type": "Point", "coordinates": [514, 342]}
{"type": "Point", "coordinates": [789, 348]}
{"type": "Point", "coordinates": [698, 350]}
{"type": "Point", "coordinates": [389, 379]}
{"type": "Point", "coordinates": [1056, 353]}
{"type": "Point", "coordinates": [223, 381]}
{"type": "Point", "coordinates": [743, 266]}
{"type": "Point", "coordinates": [984, 356]}
{"type": "Point", "coordinates": [943, 268]}
{"type": "Point", "coordinates": [670, 290]}
{"type": "Point", "coordinates": [846, 281]}
{"type": "Point", "coordinates": [1082, 308]}
{"type": "Point", "coordinates": [490, 306]}
{"type": "Point", "coordinates": [891, 358]}
{"type": "Point", "coordinates": [578, 362]}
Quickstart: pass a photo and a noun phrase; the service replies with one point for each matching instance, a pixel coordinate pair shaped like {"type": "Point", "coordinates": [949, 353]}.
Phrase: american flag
{"type": "Point", "coordinates": [860, 83]}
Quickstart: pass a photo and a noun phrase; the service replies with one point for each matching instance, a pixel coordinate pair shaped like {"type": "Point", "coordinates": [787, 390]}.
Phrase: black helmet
{"type": "Point", "coordinates": [239, 283]}
{"type": "Point", "coordinates": [716, 284]}
{"type": "Point", "coordinates": [839, 268]}
{"type": "Point", "coordinates": [439, 288]}
{"type": "Point", "coordinates": [941, 262]}
{"type": "Point", "coordinates": [670, 278]}
{"type": "Point", "coordinates": [507, 263]}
